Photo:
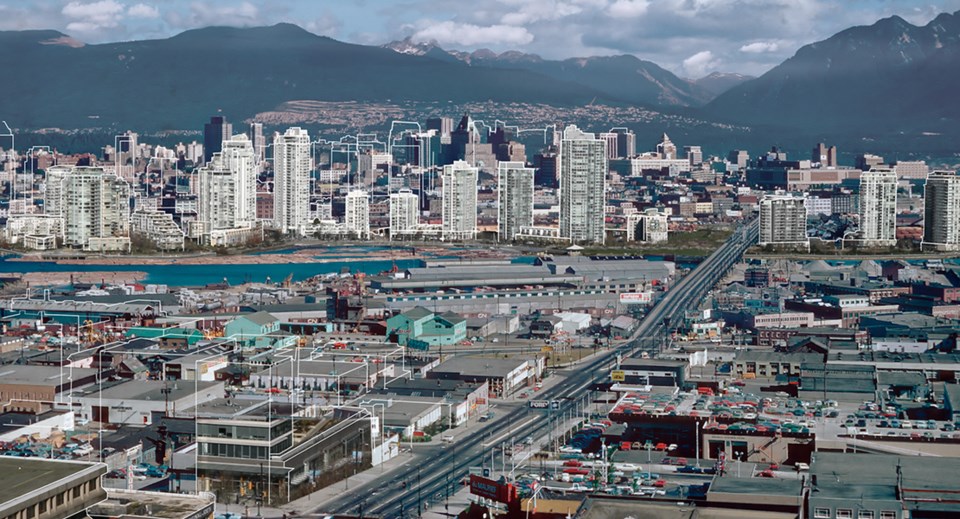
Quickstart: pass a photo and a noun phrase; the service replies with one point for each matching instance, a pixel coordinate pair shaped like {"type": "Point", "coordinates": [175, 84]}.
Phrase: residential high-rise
{"type": "Point", "coordinates": [783, 220]}
{"type": "Point", "coordinates": [459, 201]}
{"type": "Point", "coordinates": [217, 197]}
{"type": "Point", "coordinates": [649, 226]}
{"type": "Point", "coordinates": [515, 198]}
{"type": "Point", "coordinates": [357, 216]}
{"type": "Point", "coordinates": [583, 180]}
{"type": "Point", "coordinates": [214, 133]}
{"type": "Point", "coordinates": [239, 157]}
{"type": "Point", "coordinates": [404, 212]}
{"type": "Point", "coordinates": [878, 207]}
{"type": "Point", "coordinates": [291, 180]}
{"type": "Point", "coordinates": [259, 142]}
{"type": "Point", "coordinates": [53, 189]}
{"type": "Point", "coordinates": [96, 210]}
{"type": "Point", "coordinates": [941, 212]}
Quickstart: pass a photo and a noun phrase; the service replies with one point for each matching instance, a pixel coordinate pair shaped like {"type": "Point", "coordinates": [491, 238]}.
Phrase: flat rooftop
{"type": "Point", "coordinates": [479, 366]}
{"type": "Point", "coordinates": [41, 375]}
{"type": "Point", "coordinates": [153, 389]}
{"type": "Point", "coordinates": [162, 505]}
{"type": "Point", "coordinates": [21, 476]}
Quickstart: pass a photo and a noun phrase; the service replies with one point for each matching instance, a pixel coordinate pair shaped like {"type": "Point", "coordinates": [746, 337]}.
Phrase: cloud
{"type": "Point", "coordinates": [93, 16]}
{"type": "Point", "coordinates": [466, 34]}
{"type": "Point", "coordinates": [243, 14]}
{"type": "Point", "coordinates": [760, 47]}
{"type": "Point", "coordinates": [700, 64]}
{"type": "Point", "coordinates": [325, 25]}
{"type": "Point", "coordinates": [530, 11]}
{"type": "Point", "coordinates": [143, 11]}
{"type": "Point", "coordinates": [628, 8]}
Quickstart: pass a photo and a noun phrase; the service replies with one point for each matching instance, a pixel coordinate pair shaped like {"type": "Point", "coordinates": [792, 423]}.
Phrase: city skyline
{"type": "Point", "coordinates": [692, 39]}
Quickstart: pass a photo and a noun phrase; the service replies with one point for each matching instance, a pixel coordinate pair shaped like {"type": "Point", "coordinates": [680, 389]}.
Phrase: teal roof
{"type": "Point", "coordinates": [150, 332]}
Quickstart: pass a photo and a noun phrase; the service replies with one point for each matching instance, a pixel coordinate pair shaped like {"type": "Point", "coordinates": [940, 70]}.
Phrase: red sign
{"type": "Point", "coordinates": [490, 489]}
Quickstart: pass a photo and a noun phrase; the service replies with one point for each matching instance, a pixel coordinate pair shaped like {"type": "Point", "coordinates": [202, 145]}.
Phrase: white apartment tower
{"type": "Point", "coordinates": [650, 226]}
{"type": "Point", "coordinates": [404, 212]}
{"type": "Point", "coordinates": [357, 217]}
{"type": "Point", "coordinates": [583, 180]}
{"type": "Point", "coordinates": [291, 180]}
{"type": "Point", "coordinates": [783, 221]}
{"type": "Point", "coordinates": [941, 212]}
{"type": "Point", "coordinates": [96, 210]}
{"type": "Point", "coordinates": [53, 189]}
{"type": "Point", "coordinates": [878, 207]}
{"type": "Point", "coordinates": [514, 198]}
{"type": "Point", "coordinates": [258, 141]}
{"type": "Point", "coordinates": [217, 196]}
{"type": "Point", "coordinates": [459, 201]}
{"type": "Point", "coordinates": [239, 157]}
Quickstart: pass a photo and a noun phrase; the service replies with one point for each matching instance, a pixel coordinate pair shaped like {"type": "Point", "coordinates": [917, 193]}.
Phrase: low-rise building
{"type": "Point", "coordinates": [770, 365]}
{"type": "Point", "coordinates": [504, 376]}
{"type": "Point", "coordinates": [881, 486]}
{"type": "Point", "coordinates": [158, 228]}
{"type": "Point", "coordinates": [420, 327]}
{"type": "Point", "coordinates": [48, 489]}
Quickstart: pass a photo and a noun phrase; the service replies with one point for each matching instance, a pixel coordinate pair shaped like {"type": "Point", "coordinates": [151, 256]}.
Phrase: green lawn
{"type": "Point", "coordinates": [701, 242]}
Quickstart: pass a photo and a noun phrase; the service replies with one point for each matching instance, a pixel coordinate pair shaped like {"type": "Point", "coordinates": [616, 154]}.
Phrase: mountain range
{"type": "Point", "coordinates": [889, 78]}
{"type": "Point", "coordinates": [887, 82]}
{"type": "Point", "coordinates": [624, 77]}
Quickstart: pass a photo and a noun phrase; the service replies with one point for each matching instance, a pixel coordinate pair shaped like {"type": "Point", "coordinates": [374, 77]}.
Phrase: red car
{"type": "Point", "coordinates": [680, 462]}
{"type": "Point", "coordinates": [572, 463]}
{"type": "Point", "coordinates": [578, 471]}
{"type": "Point", "coordinates": [660, 483]}
{"type": "Point", "coordinates": [765, 474]}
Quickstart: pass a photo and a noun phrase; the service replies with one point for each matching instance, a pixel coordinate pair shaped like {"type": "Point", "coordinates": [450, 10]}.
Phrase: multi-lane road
{"type": "Point", "coordinates": [405, 492]}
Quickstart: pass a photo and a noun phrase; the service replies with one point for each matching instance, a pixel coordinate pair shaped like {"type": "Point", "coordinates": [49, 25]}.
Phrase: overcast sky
{"type": "Point", "coordinates": [689, 37]}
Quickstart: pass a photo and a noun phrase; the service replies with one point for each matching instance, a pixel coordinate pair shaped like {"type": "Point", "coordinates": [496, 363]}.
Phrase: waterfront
{"type": "Point", "coordinates": [199, 275]}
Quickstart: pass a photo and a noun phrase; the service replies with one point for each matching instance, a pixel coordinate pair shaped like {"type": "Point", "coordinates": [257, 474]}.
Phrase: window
{"type": "Point", "coordinates": [43, 506]}
{"type": "Point", "coordinates": [60, 497]}
{"type": "Point", "coordinates": [844, 513]}
{"type": "Point", "coordinates": [76, 492]}
{"type": "Point", "coordinates": [888, 514]}
{"type": "Point", "coordinates": [865, 514]}
{"type": "Point", "coordinates": [821, 513]}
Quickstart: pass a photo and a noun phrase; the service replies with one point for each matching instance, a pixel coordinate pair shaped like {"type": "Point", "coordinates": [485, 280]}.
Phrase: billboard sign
{"type": "Point", "coordinates": [490, 489]}
{"type": "Point", "coordinates": [636, 298]}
